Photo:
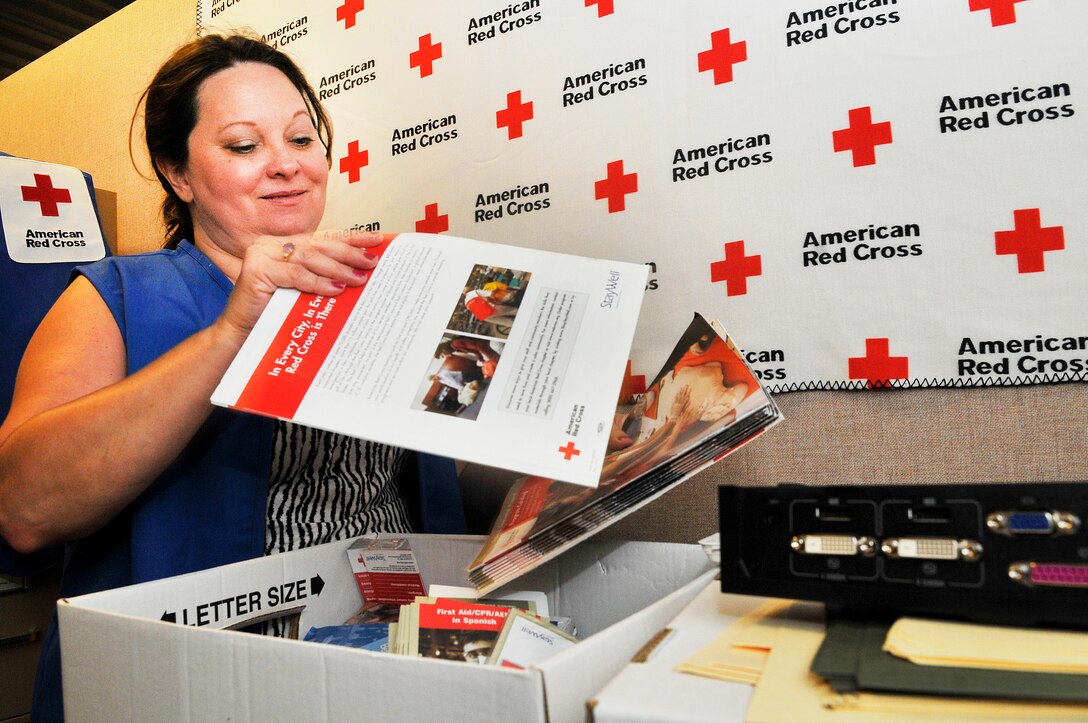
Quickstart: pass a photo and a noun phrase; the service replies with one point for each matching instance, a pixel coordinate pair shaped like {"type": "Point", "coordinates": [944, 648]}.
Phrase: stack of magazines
{"type": "Point", "coordinates": [704, 404]}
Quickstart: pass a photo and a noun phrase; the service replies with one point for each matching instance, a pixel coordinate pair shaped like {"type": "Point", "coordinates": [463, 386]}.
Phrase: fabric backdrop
{"type": "Point", "coordinates": [866, 193]}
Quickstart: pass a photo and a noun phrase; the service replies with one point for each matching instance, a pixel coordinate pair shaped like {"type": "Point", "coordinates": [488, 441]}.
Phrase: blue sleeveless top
{"type": "Point", "coordinates": [209, 507]}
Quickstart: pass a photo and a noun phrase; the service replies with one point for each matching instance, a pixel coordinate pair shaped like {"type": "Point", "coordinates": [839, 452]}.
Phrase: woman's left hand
{"type": "Point", "coordinates": [324, 263]}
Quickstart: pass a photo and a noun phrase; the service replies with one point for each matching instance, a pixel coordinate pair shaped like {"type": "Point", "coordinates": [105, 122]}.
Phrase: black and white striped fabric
{"type": "Point", "coordinates": [324, 487]}
{"type": "Point", "coordinates": [327, 487]}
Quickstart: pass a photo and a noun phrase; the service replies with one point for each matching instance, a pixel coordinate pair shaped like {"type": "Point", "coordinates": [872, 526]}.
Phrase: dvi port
{"type": "Point", "coordinates": [842, 545]}
{"type": "Point", "coordinates": [1032, 522]}
{"type": "Point", "coordinates": [1049, 574]}
{"type": "Point", "coordinates": [931, 548]}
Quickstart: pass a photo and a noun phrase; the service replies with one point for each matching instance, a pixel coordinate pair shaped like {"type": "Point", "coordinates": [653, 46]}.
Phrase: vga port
{"type": "Point", "coordinates": [1029, 522]}
{"type": "Point", "coordinates": [931, 548]}
{"type": "Point", "coordinates": [843, 545]}
{"type": "Point", "coordinates": [1049, 574]}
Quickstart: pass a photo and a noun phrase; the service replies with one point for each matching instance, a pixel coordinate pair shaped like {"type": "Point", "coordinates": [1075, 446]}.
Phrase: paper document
{"type": "Point", "coordinates": [499, 355]}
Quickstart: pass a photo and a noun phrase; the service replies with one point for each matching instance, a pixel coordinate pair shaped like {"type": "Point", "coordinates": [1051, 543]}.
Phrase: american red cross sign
{"type": "Point", "coordinates": [909, 171]}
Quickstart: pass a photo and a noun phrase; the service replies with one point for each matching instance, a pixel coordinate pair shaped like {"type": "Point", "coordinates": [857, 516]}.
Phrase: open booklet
{"type": "Point", "coordinates": [504, 356]}
{"type": "Point", "coordinates": [703, 405]}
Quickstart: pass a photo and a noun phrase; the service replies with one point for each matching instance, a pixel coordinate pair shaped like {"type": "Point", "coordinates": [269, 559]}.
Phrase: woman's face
{"type": "Point", "coordinates": [256, 166]}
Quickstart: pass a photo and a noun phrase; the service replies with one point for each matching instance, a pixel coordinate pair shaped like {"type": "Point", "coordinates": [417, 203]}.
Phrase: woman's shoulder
{"type": "Point", "coordinates": [123, 263]}
{"type": "Point", "coordinates": [184, 263]}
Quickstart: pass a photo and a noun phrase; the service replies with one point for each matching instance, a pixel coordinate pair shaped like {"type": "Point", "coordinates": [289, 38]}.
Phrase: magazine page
{"type": "Point", "coordinates": [704, 404]}
{"type": "Point", "coordinates": [495, 354]}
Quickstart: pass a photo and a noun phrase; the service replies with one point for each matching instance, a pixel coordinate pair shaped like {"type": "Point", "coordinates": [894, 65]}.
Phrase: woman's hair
{"type": "Point", "coordinates": [170, 108]}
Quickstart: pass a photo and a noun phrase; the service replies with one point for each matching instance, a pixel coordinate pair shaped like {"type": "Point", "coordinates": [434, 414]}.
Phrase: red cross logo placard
{"type": "Point", "coordinates": [348, 11]}
{"type": "Point", "coordinates": [354, 161]}
{"type": "Point", "coordinates": [735, 269]}
{"type": "Point", "coordinates": [615, 187]}
{"type": "Point", "coordinates": [513, 117]}
{"type": "Point", "coordinates": [1029, 240]}
{"type": "Point", "coordinates": [722, 56]}
{"type": "Point", "coordinates": [604, 7]}
{"type": "Point", "coordinates": [878, 367]}
{"type": "Point", "coordinates": [47, 197]}
{"type": "Point", "coordinates": [431, 221]}
{"type": "Point", "coordinates": [569, 451]}
{"type": "Point", "coordinates": [1002, 12]}
{"type": "Point", "coordinates": [862, 137]}
{"type": "Point", "coordinates": [47, 214]}
{"type": "Point", "coordinates": [426, 55]}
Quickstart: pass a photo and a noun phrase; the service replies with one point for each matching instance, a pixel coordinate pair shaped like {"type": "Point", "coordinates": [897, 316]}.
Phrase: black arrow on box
{"type": "Point", "coordinates": [169, 617]}
{"type": "Point", "coordinates": [317, 584]}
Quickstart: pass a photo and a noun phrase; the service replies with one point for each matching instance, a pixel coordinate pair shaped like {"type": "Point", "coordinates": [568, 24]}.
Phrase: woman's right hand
{"type": "Point", "coordinates": [324, 263]}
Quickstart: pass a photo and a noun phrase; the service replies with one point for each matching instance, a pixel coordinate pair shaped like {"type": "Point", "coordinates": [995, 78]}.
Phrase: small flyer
{"type": "Point", "coordinates": [500, 355]}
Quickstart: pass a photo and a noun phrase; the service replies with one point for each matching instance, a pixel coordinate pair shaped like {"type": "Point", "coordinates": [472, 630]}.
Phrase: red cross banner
{"type": "Point", "coordinates": [867, 194]}
{"type": "Point", "coordinates": [47, 213]}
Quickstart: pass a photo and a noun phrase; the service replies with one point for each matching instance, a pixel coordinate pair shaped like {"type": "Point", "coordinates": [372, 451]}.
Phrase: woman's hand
{"type": "Point", "coordinates": [324, 263]}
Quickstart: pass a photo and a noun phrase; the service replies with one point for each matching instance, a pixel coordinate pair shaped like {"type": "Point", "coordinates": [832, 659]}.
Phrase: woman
{"type": "Point", "coordinates": [111, 444]}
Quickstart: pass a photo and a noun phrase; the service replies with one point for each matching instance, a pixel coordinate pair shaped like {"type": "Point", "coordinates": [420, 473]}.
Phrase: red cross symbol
{"type": "Point", "coordinates": [877, 366]}
{"type": "Point", "coordinates": [514, 115]}
{"type": "Point", "coordinates": [426, 55]}
{"type": "Point", "coordinates": [354, 161]}
{"type": "Point", "coordinates": [431, 221]}
{"type": "Point", "coordinates": [862, 137]}
{"type": "Point", "coordinates": [1002, 12]}
{"type": "Point", "coordinates": [735, 269]}
{"type": "Point", "coordinates": [1029, 240]}
{"type": "Point", "coordinates": [348, 11]}
{"type": "Point", "coordinates": [604, 7]}
{"type": "Point", "coordinates": [633, 384]}
{"type": "Point", "coordinates": [615, 187]}
{"type": "Point", "coordinates": [569, 451]}
{"type": "Point", "coordinates": [722, 56]}
{"type": "Point", "coordinates": [43, 193]}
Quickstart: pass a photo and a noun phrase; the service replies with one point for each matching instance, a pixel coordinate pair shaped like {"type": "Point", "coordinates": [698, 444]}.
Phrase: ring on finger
{"type": "Point", "coordinates": [288, 249]}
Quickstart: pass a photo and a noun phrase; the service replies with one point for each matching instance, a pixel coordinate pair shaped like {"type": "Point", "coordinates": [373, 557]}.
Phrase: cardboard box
{"type": "Point", "coordinates": [123, 660]}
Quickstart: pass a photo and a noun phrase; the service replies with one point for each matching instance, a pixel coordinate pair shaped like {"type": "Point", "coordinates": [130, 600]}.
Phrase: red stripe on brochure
{"type": "Point", "coordinates": [301, 346]}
